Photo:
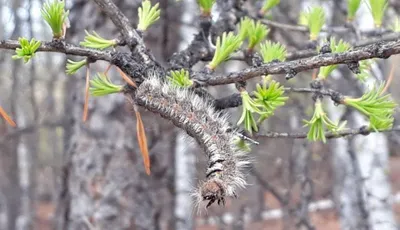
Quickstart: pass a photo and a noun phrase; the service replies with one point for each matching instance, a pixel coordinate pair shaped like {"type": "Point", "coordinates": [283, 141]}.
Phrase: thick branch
{"type": "Point", "coordinates": [377, 50]}
{"type": "Point", "coordinates": [132, 38]}
{"type": "Point", "coordinates": [118, 18]}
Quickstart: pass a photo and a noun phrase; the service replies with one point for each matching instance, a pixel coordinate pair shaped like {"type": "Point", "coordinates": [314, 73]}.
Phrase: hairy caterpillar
{"type": "Point", "coordinates": [211, 129]}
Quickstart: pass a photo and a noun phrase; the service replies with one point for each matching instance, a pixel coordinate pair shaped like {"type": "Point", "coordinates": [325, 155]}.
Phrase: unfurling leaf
{"type": "Point", "coordinates": [148, 15]}
{"type": "Point", "coordinates": [101, 85]}
{"type": "Point", "coordinates": [27, 50]}
{"type": "Point", "coordinates": [55, 16]}
{"type": "Point", "coordinates": [180, 78]}
{"type": "Point", "coordinates": [377, 107]}
{"type": "Point", "coordinates": [271, 51]}
{"type": "Point", "coordinates": [226, 44]}
{"type": "Point", "coordinates": [205, 6]}
{"type": "Point", "coordinates": [96, 42]}
{"type": "Point", "coordinates": [378, 8]}
{"type": "Point", "coordinates": [74, 66]}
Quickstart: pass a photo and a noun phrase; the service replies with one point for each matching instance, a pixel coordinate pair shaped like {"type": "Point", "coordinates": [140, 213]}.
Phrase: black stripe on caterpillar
{"type": "Point", "coordinates": [211, 129]}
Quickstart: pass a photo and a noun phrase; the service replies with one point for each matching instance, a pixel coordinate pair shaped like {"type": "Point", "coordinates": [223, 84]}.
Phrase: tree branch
{"type": "Point", "coordinates": [329, 135]}
{"type": "Point", "coordinates": [62, 47]}
{"type": "Point", "coordinates": [235, 99]}
{"type": "Point", "coordinates": [376, 50]}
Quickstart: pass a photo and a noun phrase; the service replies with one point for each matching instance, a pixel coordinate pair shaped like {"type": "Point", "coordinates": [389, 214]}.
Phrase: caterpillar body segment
{"type": "Point", "coordinates": [211, 129]}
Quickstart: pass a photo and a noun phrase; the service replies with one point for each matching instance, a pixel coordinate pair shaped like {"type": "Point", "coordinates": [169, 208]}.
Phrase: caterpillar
{"type": "Point", "coordinates": [209, 127]}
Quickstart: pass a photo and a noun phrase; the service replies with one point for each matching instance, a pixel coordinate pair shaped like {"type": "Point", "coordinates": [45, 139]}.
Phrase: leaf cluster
{"type": "Point", "coordinates": [55, 15]}
{"type": "Point", "coordinates": [267, 98]}
{"type": "Point", "coordinates": [96, 42]}
{"type": "Point", "coordinates": [148, 15]}
{"type": "Point", "coordinates": [314, 19]}
{"type": "Point", "coordinates": [377, 107]}
{"type": "Point", "coordinates": [319, 122]}
{"type": "Point", "coordinates": [27, 50]}
{"type": "Point", "coordinates": [377, 9]}
{"type": "Point", "coordinates": [180, 78]}
{"type": "Point", "coordinates": [336, 47]}
{"type": "Point", "coordinates": [206, 6]}
{"type": "Point", "coordinates": [226, 45]}
{"type": "Point", "coordinates": [271, 51]}
{"type": "Point", "coordinates": [74, 66]}
{"type": "Point", "coordinates": [101, 85]}
{"type": "Point", "coordinates": [254, 31]}
{"type": "Point", "coordinates": [268, 5]}
{"type": "Point", "coordinates": [352, 7]}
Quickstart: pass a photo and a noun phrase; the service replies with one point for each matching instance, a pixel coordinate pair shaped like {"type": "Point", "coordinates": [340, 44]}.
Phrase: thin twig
{"type": "Point", "coordinates": [328, 135]}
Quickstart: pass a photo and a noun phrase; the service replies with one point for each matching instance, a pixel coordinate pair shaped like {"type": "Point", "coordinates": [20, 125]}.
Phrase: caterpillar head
{"type": "Point", "coordinates": [213, 190]}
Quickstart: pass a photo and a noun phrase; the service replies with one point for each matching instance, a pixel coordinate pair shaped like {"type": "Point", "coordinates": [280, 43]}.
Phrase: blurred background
{"type": "Point", "coordinates": [57, 172]}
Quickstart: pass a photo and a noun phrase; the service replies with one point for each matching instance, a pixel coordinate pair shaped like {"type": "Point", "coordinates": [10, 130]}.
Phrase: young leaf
{"type": "Point", "coordinates": [352, 7]}
{"type": "Point", "coordinates": [271, 51]}
{"type": "Point", "coordinates": [96, 42]}
{"type": "Point", "coordinates": [269, 98]}
{"type": "Point", "coordinates": [314, 19]}
{"type": "Point", "coordinates": [180, 78]}
{"type": "Point", "coordinates": [377, 107]}
{"type": "Point", "coordinates": [27, 50]}
{"type": "Point", "coordinates": [101, 85]}
{"type": "Point", "coordinates": [268, 5]}
{"type": "Point", "coordinates": [378, 8]}
{"type": "Point", "coordinates": [148, 15]}
{"type": "Point", "coordinates": [319, 122]}
{"type": "Point", "coordinates": [339, 47]}
{"type": "Point", "coordinates": [224, 47]}
{"type": "Point", "coordinates": [73, 66]}
{"type": "Point", "coordinates": [6, 117]}
{"type": "Point", "coordinates": [248, 108]}
{"type": "Point", "coordinates": [257, 34]}
{"type": "Point", "coordinates": [55, 16]}
{"type": "Point", "coordinates": [205, 6]}
{"type": "Point", "coordinates": [243, 28]}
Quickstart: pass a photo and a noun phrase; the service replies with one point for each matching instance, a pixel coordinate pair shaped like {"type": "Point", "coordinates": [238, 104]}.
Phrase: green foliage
{"type": "Point", "coordinates": [101, 85]}
{"type": "Point", "coordinates": [180, 78]}
{"type": "Point", "coordinates": [395, 27]}
{"type": "Point", "coordinates": [254, 31]}
{"type": "Point", "coordinates": [148, 15]}
{"type": "Point", "coordinates": [96, 42]}
{"type": "Point", "coordinates": [377, 107]}
{"type": "Point", "coordinates": [268, 5]}
{"type": "Point", "coordinates": [55, 15]}
{"type": "Point", "coordinates": [339, 47]}
{"type": "Point", "coordinates": [224, 47]}
{"type": "Point", "coordinates": [365, 70]}
{"type": "Point", "coordinates": [378, 8]}
{"type": "Point", "coordinates": [269, 98]}
{"type": "Point", "coordinates": [205, 6]}
{"type": "Point", "coordinates": [244, 28]}
{"type": "Point", "coordinates": [319, 122]}
{"type": "Point", "coordinates": [271, 51]}
{"type": "Point", "coordinates": [74, 66]}
{"type": "Point", "coordinates": [352, 7]}
{"type": "Point", "coordinates": [27, 50]}
{"type": "Point", "coordinates": [249, 106]}
{"type": "Point", "coordinates": [314, 19]}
